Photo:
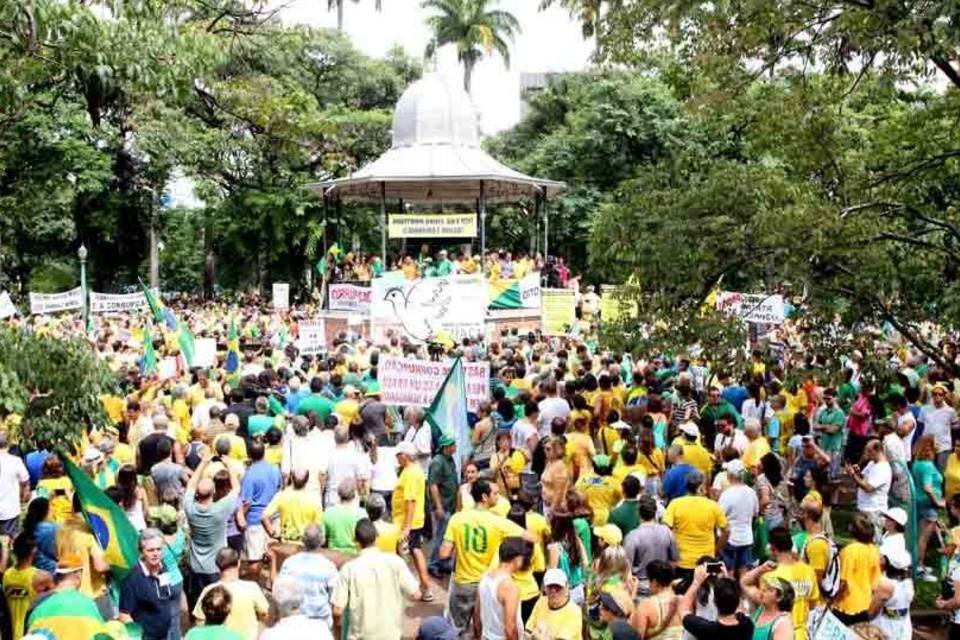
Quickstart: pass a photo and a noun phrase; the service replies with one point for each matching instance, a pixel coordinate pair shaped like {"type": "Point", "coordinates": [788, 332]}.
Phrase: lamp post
{"type": "Point", "coordinates": [82, 254]}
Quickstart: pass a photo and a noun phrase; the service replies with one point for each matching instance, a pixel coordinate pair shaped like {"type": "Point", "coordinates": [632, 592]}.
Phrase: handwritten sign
{"type": "Point", "coordinates": [751, 307]}
{"type": "Point", "coordinates": [56, 302]}
{"type": "Point", "coordinates": [416, 382]}
{"type": "Point", "coordinates": [281, 296]}
{"type": "Point", "coordinates": [313, 337]}
{"type": "Point", "coordinates": [350, 297]}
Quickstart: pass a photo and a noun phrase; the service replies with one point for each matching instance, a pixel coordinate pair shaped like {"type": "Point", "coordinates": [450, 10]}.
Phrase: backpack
{"type": "Point", "coordinates": [830, 583]}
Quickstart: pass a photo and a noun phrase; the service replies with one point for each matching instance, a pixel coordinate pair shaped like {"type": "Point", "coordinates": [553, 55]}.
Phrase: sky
{"type": "Point", "coordinates": [549, 41]}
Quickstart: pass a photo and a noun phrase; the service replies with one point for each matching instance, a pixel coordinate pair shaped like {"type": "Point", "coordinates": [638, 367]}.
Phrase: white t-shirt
{"type": "Point", "coordinates": [346, 462]}
{"type": "Point", "coordinates": [12, 474]}
{"type": "Point", "coordinates": [522, 430]}
{"type": "Point", "coordinates": [907, 419]}
{"type": "Point", "coordinates": [551, 408]}
{"type": "Point", "coordinates": [422, 439]}
{"type": "Point", "coordinates": [385, 470]}
{"type": "Point", "coordinates": [936, 423]}
{"type": "Point", "coordinates": [738, 440]}
{"type": "Point", "coordinates": [878, 475]}
{"type": "Point", "coordinates": [955, 577]}
{"type": "Point", "coordinates": [739, 503]}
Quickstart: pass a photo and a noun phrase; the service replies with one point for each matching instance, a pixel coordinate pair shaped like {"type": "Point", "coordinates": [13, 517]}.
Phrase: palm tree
{"type": "Point", "coordinates": [473, 27]}
{"type": "Point", "coordinates": [339, 5]}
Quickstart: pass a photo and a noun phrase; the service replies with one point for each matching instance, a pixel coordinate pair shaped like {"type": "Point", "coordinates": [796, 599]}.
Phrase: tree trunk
{"type": "Point", "coordinates": [209, 273]}
{"type": "Point", "coordinates": [340, 14]}
{"type": "Point", "coordinates": [467, 74]}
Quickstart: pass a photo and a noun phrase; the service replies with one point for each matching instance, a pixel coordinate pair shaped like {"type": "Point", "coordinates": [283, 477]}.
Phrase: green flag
{"type": "Point", "coordinates": [447, 414]}
{"type": "Point", "coordinates": [109, 524]}
{"type": "Point", "coordinates": [148, 363]}
{"type": "Point", "coordinates": [187, 346]}
{"type": "Point", "coordinates": [152, 302]}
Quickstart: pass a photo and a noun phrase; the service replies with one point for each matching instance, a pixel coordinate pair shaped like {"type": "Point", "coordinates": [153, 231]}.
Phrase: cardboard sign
{"type": "Point", "coordinates": [6, 306]}
{"type": "Point", "coordinates": [281, 296]}
{"type": "Point", "coordinates": [416, 382]}
{"type": "Point", "coordinates": [56, 302]}
{"type": "Point", "coordinates": [313, 337]}
{"type": "Point", "coordinates": [167, 368]}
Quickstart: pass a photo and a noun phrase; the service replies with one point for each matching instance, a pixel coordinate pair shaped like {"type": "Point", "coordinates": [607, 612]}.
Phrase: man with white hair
{"type": "Point", "coordinates": [148, 453]}
{"type": "Point", "coordinates": [418, 434]}
{"type": "Point", "coordinates": [295, 393]}
{"type": "Point", "coordinates": [303, 448]}
{"type": "Point", "coordinates": [758, 445]}
{"type": "Point", "coordinates": [346, 461]}
{"type": "Point", "coordinates": [201, 412]}
{"type": "Point", "coordinates": [293, 624]}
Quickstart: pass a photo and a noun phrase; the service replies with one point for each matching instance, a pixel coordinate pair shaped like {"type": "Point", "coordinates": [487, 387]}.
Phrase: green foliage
{"type": "Point", "coordinates": [473, 28]}
{"type": "Point", "coordinates": [54, 277]}
{"type": "Point", "coordinates": [54, 384]}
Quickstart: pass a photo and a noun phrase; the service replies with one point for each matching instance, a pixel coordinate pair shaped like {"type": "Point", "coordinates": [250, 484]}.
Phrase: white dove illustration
{"type": "Point", "coordinates": [421, 308]}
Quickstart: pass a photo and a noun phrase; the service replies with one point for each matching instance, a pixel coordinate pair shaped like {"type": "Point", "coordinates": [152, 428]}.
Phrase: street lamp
{"type": "Point", "coordinates": [82, 254]}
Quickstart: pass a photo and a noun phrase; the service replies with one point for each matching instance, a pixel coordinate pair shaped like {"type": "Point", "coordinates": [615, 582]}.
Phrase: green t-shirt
{"type": "Point", "coordinates": [339, 523]}
{"type": "Point", "coordinates": [926, 473]}
{"type": "Point", "coordinates": [321, 405]}
{"type": "Point", "coordinates": [259, 424]}
{"type": "Point", "coordinates": [626, 516]}
{"type": "Point", "coordinates": [832, 416]}
{"type": "Point", "coordinates": [443, 473]}
{"type": "Point", "coordinates": [213, 632]}
{"type": "Point", "coordinates": [444, 268]}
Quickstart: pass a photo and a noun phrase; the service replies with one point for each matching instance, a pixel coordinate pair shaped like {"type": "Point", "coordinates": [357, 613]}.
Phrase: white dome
{"type": "Point", "coordinates": [434, 111]}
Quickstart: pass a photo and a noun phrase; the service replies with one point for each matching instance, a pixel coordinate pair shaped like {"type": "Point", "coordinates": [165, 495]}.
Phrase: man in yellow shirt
{"type": "Point", "coordinates": [695, 521]}
{"type": "Point", "coordinates": [23, 582]}
{"type": "Point", "coordinates": [388, 533]}
{"type": "Point", "coordinates": [600, 489]}
{"type": "Point", "coordinates": [249, 606]}
{"type": "Point", "coordinates": [409, 498]}
{"type": "Point", "coordinates": [555, 616]}
{"type": "Point", "coordinates": [859, 573]}
{"type": "Point", "coordinates": [349, 407]}
{"type": "Point", "coordinates": [297, 508]}
{"type": "Point", "coordinates": [475, 535]}
{"type": "Point", "coordinates": [694, 453]}
{"type": "Point", "coordinates": [758, 445]}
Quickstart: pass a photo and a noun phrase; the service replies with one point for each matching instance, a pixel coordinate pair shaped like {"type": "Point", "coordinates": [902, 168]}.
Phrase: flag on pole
{"type": "Point", "coordinates": [109, 524]}
{"type": "Point", "coordinates": [232, 362]}
{"type": "Point", "coordinates": [187, 347]}
{"type": "Point", "coordinates": [148, 362]}
{"type": "Point", "coordinates": [160, 312]}
{"type": "Point", "coordinates": [448, 411]}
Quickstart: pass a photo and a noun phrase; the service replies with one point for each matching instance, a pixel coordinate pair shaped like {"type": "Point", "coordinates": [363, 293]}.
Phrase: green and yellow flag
{"type": "Point", "coordinates": [148, 363]}
{"type": "Point", "coordinates": [69, 614]}
{"type": "Point", "coordinates": [108, 522]}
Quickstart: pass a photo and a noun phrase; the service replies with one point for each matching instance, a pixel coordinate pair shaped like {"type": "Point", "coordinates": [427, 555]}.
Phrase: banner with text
{"type": "Point", "coordinates": [350, 297]}
{"type": "Point", "coordinates": [7, 308]}
{"type": "Point", "coordinates": [117, 302]}
{"type": "Point", "coordinates": [416, 382]}
{"type": "Point", "coordinates": [429, 309]}
{"type": "Point", "coordinates": [313, 337]}
{"type": "Point", "coordinates": [281, 296]}
{"type": "Point", "coordinates": [558, 311]}
{"type": "Point", "coordinates": [432, 225]}
{"type": "Point", "coordinates": [56, 302]}
{"type": "Point", "coordinates": [513, 293]}
{"type": "Point", "coordinates": [752, 307]}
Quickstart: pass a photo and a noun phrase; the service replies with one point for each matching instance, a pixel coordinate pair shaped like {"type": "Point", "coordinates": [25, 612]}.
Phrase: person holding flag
{"type": "Point", "coordinates": [65, 612]}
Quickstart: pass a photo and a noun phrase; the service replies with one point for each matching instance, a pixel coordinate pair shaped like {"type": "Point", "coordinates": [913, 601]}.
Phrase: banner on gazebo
{"type": "Point", "coordinates": [432, 225]}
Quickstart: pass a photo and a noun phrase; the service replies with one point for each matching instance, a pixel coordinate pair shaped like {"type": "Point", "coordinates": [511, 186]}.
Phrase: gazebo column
{"type": "Point", "coordinates": [483, 226]}
{"type": "Point", "coordinates": [546, 225]}
{"type": "Point", "coordinates": [383, 223]}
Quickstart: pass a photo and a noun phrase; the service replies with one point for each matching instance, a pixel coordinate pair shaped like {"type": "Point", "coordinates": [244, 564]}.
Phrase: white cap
{"type": "Point", "coordinates": [349, 390]}
{"type": "Point", "coordinates": [556, 577]}
{"type": "Point", "coordinates": [896, 514]}
{"type": "Point", "coordinates": [91, 455]}
{"type": "Point", "coordinates": [407, 448]}
{"type": "Point", "coordinates": [691, 429]}
{"type": "Point", "coordinates": [898, 558]}
{"type": "Point", "coordinates": [734, 467]}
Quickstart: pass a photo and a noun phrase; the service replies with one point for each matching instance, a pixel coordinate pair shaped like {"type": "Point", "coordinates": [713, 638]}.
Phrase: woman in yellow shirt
{"type": "Point", "coordinates": [57, 488]}
{"type": "Point", "coordinates": [859, 573]}
{"type": "Point", "coordinates": [951, 474]}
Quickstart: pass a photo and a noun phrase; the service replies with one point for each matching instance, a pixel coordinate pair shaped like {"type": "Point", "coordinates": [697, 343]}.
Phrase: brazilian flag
{"type": "Point", "coordinates": [69, 614]}
{"type": "Point", "coordinates": [232, 362]}
{"type": "Point", "coordinates": [108, 522]}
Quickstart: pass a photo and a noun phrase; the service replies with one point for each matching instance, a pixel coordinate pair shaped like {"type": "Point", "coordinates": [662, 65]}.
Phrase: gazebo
{"type": "Point", "coordinates": [436, 158]}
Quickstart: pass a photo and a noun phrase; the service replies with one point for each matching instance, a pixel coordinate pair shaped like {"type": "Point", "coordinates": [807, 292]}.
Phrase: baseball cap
{"type": "Point", "coordinates": [555, 577]}
{"type": "Point", "coordinates": [617, 602]}
{"type": "Point", "coordinates": [601, 460]}
{"type": "Point", "coordinates": [407, 448]}
{"type": "Point", "coordinates": [898, 557]}
{"type": "Point", "coordinates": [446, 440]}
{"type": "Point", "coordinates": [373, 389]}
{"type": "Point", "coordinates": [609, 533]}
{"type": "Point", "coordinates": [735, 467]}
{"type": "Point", "coordinates": [691, 429]}
{"type": "Point", "coordinates": [92, 455]}
{"type": "Point", "coordinates": [896, 514]}
{"type": "Point", "coordinates": [349, 390]}
{"type": "Point", "coordinates": [69, 563]}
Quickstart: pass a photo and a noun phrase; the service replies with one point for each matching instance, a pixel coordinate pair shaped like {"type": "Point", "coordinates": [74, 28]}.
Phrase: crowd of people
{"type": "Point", "coordinates": [600, 496]}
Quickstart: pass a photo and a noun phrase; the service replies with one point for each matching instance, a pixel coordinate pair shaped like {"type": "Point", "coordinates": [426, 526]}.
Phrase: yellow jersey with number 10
{"type": "Point", "coordinates": [476, 536]}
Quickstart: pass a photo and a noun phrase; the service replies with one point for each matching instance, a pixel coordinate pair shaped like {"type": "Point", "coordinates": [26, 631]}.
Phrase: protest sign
{"type": "Point", "coordinates": [432, 225]}
{"type": "Point", "coordinates": [281, 296]}
{"type": "Point", "coordinates": [750, 307]}
{"type": "Point", "coordinates": [6, 306]}
{"type": "Point", "coordinates": [56, 302]}
{"type": "Point", "coordinates": [514, 293]}
{"type": "Point", "coordinates": [429, 309]}
{"type": "Point", "coordinates": [558, 311]}
{"type": "Point", "coordinates": [116, 302]}
{"type": "Point", "coordinates": [830, 628]}
{"type": "Point", "coordinates": [313, 337]}
{"type": "Point", "coordinates": [167, 368]}
{"type": "Point", "coordinates": [204, 352]}
{"type": "Point", "coordinates": [416, 382]}
{"type": "Point", "coordinates": [615, 303]}
{"type": "Point", "coordinates": [349, 297]}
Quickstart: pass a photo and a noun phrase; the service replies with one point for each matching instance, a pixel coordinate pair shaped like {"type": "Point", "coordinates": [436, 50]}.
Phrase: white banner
{"type": "Point", "coordinates": [55, 302]}
{"type": "Point", "coordinates": [530, 291]}
{"type": "Point", "coordinates": [6, 306]}
{"type": "Point", "coordinates": [416, 382]}
{"type": "Point", "coordinates": [204, 352]}
{"type": "Point", "coordinates": [281, 296]}
{"type": "Point", "coordinates": [313, 337]}
{"type": "Point", "coordinates": [350, 297]}
{"type": "Point", "coordinates": [422, 310]}
{"type": "Point", "coordinates": [116, 302]}
{"type": "Point", "coordinates": [752, 307]}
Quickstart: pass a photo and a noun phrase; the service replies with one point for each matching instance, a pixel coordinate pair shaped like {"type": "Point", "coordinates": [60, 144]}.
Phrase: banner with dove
{"type": "Point", "coordinates": [445, 309]}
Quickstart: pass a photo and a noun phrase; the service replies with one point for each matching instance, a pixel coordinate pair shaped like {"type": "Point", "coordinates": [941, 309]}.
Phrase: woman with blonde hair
{"type": "Point", "coordinates": [610, 573]}
{"type": "Point", "coordinates": [556, 476]}
{"type": "Point", "coordinates": [929, 482]}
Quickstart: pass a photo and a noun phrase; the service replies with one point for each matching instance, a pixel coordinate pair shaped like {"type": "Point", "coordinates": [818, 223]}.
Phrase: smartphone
{"type": "Point", "coordinates": [714, 568]}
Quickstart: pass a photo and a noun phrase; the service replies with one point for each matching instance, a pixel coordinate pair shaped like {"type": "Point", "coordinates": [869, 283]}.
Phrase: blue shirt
{"type": "Point", "coordinates": [735, 395]}
{"type": "Point", "coordinates": [260, 483]}
{"type": "Point", "coordinates": [46, 536]}
{"type": "Point", "coordinates": [148, 603]}
{"type": "Point", "coordinates": [34, 463]}
{"type": "Point", "coordinates": [675, 480]}
{"type": "Point", "coordinates": [316, 575]}
{"type": "Point", "coordinates": [293, 399]}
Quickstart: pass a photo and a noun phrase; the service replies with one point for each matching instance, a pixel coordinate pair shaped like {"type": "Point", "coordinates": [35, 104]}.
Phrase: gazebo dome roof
{"type": "Point", "coordinates": [434, 111]}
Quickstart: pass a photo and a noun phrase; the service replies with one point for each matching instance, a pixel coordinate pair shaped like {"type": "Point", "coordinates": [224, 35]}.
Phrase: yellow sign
{"type": "Point", "coordinates": [433, 225]}
{"type": "Point", "coordinates": [558, 311]}
{"type": "Point", "coordinates": [615, 302]}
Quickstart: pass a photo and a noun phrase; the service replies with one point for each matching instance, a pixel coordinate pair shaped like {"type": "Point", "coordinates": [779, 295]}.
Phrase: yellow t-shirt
{"type": "Point", "coordinates": [806, 592]}
{"type": "Point", "coordinates": [602, 494]}
{"type": "Point", "coordinates": [388, 536]}
{"type": "Point", "coordinates": [74, 538]}
{"type": "Point", "coordinates": [537, 527]}
{"type": "Point", "coordinates": [297, 509]}
{"type": "Point", "coordinates": [694, 520]}
{"type": "Point", "coordinates": [694, 454]}
{"type": "Point", "coordinates": [609, 437]}
{"type": "Point", "coordinates": [951, 477]}
{"type": "Point", "coordinates": [181, 416]}
{"type": "Point", "coordinates": [274, 454]}
{"type": "Point", "coordinates": [579, 449]}
{"type": "Point", "coordinates": [411, 485]}
{"type": "Point", "coordinates": [755, 451]}
{"type": "Point", "coordinates": [621, 471]}
{"type": "Point", "coordinates": [248, 601]}
{"type": "Point", "coordinates": [20, 595]}
{"type": "Point", "coordinates": [349, 410]}
{"type": "Point", "coordinates": [860, 571]}
{"type": "Point", "coordinates": [123, 453]}
{"type": "Point", "coordinates": [115, 406]}
{"type": "Point", "coordinates": [653, 464]}
{"type": "Point", "coordinates": [502, 508]}
{"type": "Point", "coordinates": [565, 623]}
{"type": "Point", "coordinates": [238, 446]}
{"type": "Point", "coordinates": [61, 506]}
{"type": "Point", "coordinates": [476, 536]}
